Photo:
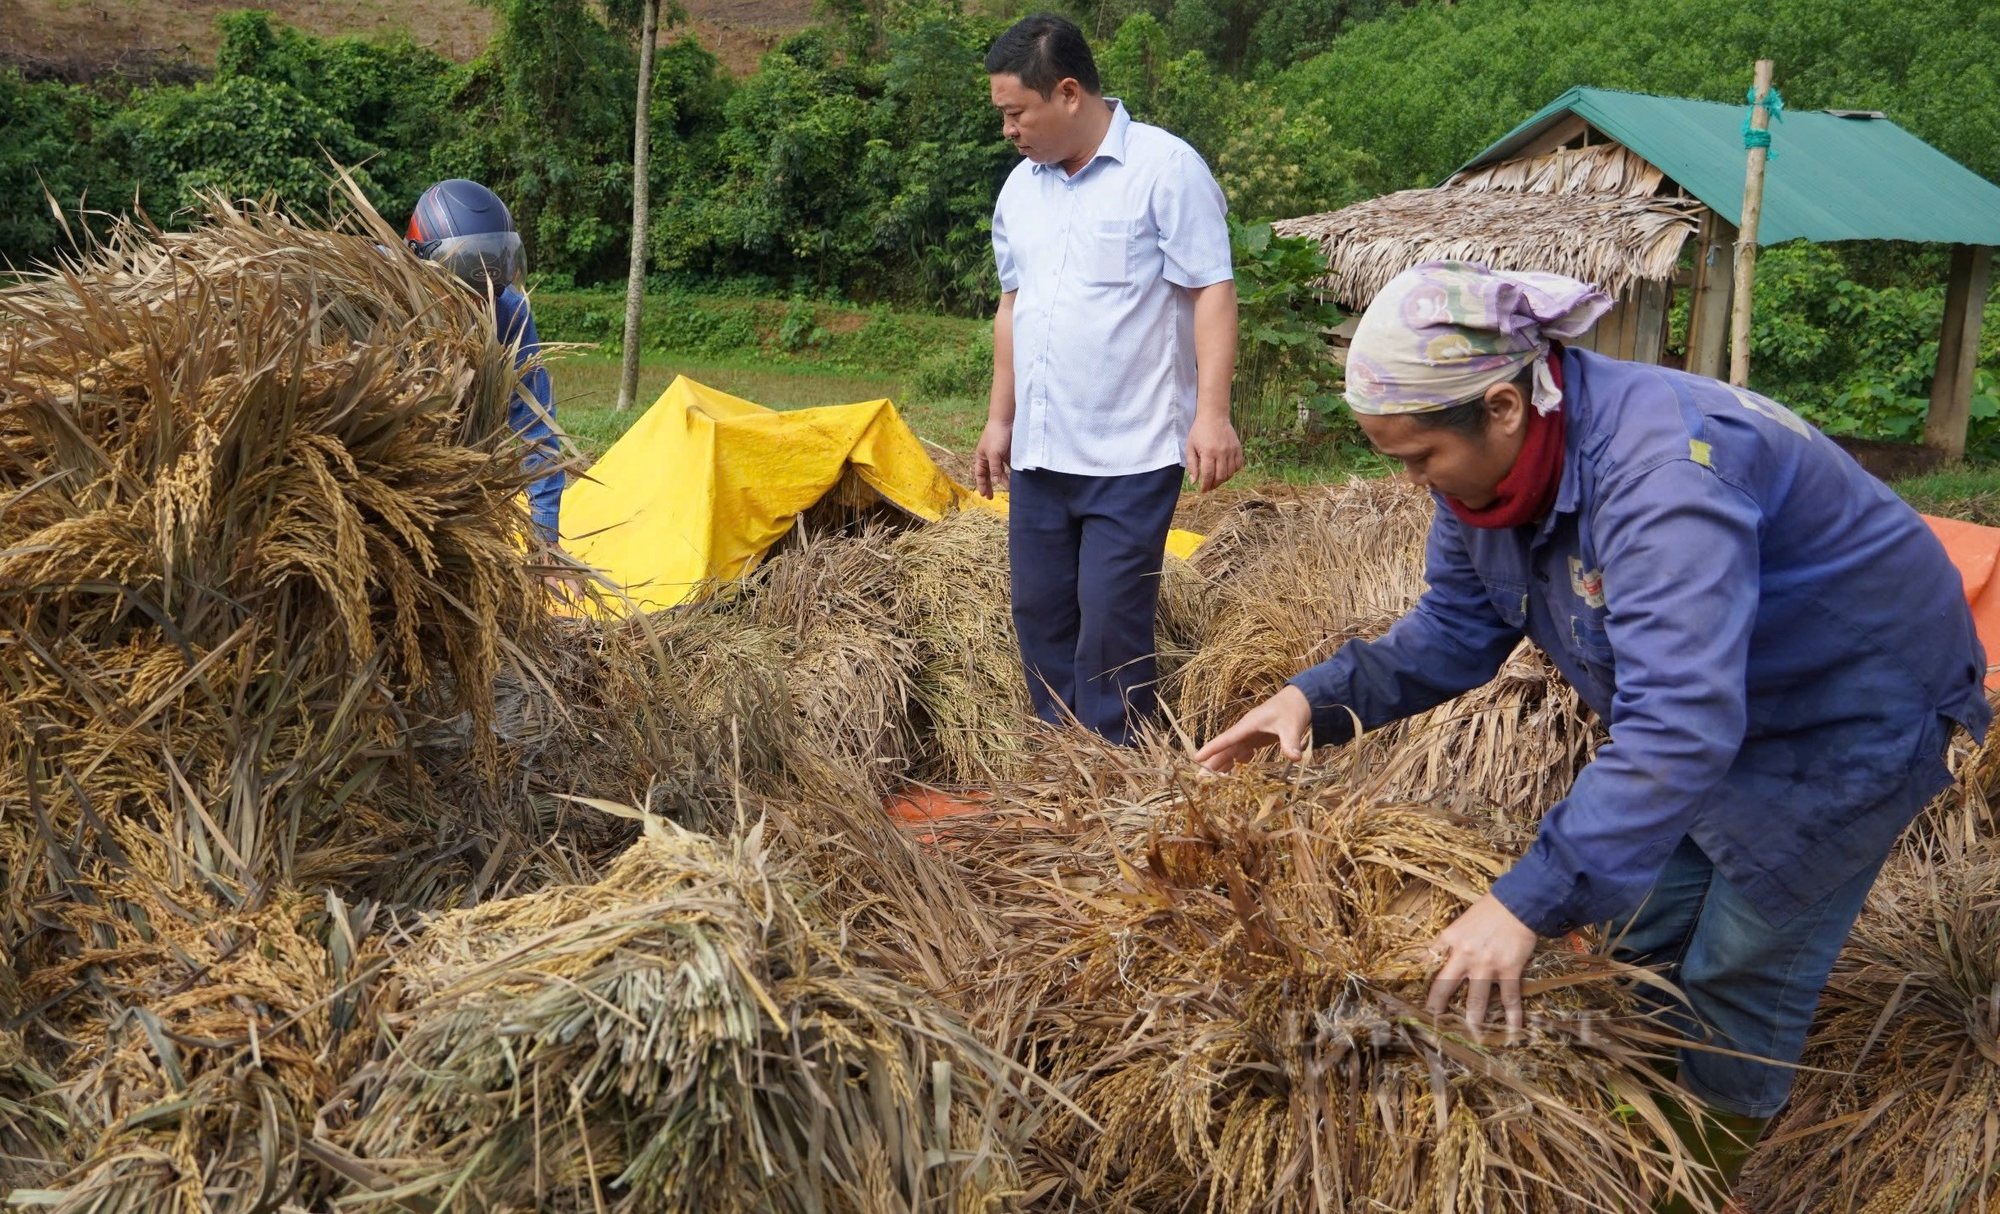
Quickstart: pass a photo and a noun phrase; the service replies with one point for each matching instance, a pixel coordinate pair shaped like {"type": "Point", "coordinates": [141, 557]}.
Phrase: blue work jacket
{"type": "Point", "coordinates": [1778, 643]}
{"type": "Point", "coordinates": [515, 322]}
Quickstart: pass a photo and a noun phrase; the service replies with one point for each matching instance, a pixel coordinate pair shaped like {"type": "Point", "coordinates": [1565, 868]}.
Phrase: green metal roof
{"type": "Point", "coordinates": [1831, 178]}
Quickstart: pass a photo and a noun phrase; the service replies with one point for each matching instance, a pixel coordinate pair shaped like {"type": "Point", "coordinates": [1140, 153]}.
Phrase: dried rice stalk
{"type": "Point", "coordinates": [230, 1028]}
{"type": "Point", "coordinates": [1902, 1113]}
{"type": "Point", "coordinates": [685, 1034]}
{"type": "Point", "coordinates": [1225, 975]}
{"type": "Point", "coordinates": [971, 698]}
{"type": "Point", "coordinates": [31, 1121]}
{"type": "Point", "coordinates": [1287, 582]}
{"type": "Point", "coordinates": [261, 522]}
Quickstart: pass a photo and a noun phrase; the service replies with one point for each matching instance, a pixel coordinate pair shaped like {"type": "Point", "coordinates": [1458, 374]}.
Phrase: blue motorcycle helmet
{"type": "Point", "coordinates": [464, 227]}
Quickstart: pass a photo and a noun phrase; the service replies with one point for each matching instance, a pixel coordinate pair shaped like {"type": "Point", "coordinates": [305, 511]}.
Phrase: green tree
{"type": "Point", "coordinates": [1424, 89]}
{"type": "Point", "coordinates": [544, 118]}
{"type": "Point", "coordinates": [241, 136]}
{"type": "Point", "coordinates": [1270, 162]}
{"type": "Point", "coordinates": [943, 160]}
{"type": "Point", "coordinates": [390, 92]}
{"type": "Point", "coordinates": [47, 150]}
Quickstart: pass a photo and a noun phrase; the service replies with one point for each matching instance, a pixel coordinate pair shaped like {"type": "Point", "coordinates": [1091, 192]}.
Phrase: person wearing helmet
{"type": "Point", "coordinates": [464, 227]}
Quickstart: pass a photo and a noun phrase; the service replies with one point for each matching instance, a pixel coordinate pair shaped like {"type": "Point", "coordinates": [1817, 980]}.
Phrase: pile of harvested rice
{"type": "Point", "coordinates": [268, 629]}
{"type": "Point", "coordinates": [262, 535]}
{"type": "Point", "coordinates": [1284, 584]}
{"type": "Point", "coordinates": [686, 1034]}
{"type": "Point", "coordinates": [261, 525]}
{"type": "Point", "coordinates": [1899, 1111]}
{"type": "Point", "coordinates": [1225, 976]}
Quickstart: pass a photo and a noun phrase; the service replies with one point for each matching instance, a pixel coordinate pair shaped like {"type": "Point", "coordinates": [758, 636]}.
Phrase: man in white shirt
{"type": "Point", "coordinates": [1113, 350]}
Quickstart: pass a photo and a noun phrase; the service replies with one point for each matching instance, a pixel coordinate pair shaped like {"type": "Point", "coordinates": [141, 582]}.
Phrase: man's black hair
{"type": "Point", "coordinates": [1044, 50]}
{"type": "Point", "coordinates": [1469, 418]}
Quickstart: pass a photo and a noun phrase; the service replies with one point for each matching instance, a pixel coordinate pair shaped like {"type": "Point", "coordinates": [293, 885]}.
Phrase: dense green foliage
{"type": "Point", "coordinates": [1423, 90]}
{"type": "Point", "coordinates": [1851, 339]}
{"type": "Point", "coordinates": [44, 131]}
{"type": "Point", "coordinates": [689, 325]}
{"type": "Point", "coordinates": [860, 162]}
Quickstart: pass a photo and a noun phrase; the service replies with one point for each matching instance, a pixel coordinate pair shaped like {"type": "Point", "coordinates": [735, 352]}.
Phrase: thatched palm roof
{"type": "Point", "coordinates": [1607, 168]}
{"type": "Point", "coordinates": [1591, 213]}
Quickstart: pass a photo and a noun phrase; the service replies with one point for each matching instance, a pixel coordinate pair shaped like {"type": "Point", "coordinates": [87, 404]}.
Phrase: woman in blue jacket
{"type": "Point", "coordinates": [465, 227]}
{"type": "Point", "coordinates": [1779, 645]}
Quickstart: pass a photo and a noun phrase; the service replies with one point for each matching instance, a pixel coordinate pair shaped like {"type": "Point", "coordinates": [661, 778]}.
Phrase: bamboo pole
{"type": "Point", "coordinates": [1746, 241]}
{"type": "Point", "coordinates": [635, 281]}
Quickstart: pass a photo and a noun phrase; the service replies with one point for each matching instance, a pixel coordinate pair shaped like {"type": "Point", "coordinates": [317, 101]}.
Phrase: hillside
{"type": "Point", "coordinates": [84, 39]}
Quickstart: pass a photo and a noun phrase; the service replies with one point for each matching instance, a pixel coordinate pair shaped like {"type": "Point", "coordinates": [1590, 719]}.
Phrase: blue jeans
{"type": "Point", "coordinates": [1086, 554]}
{"type": "Point", "coordinates": [1750, 986]}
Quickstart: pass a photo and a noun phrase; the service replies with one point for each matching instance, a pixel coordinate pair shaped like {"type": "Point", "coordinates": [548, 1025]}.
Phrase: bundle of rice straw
{"type": "Point", "coordinates": [970, 696]}
{"type": "Point", "coordinates": [262, 534]}
{"type": "Point", "coordinates": [848, 669]}
{"type": "Point", "coordinates": [261, 521]}
{"type": "Point", "coordinates": [232, 1028]}
{"type": "Point", "coordinates": [1899, 1112]}
{"type": "Point", "coordinates": [1508, 750]}
{"type": "Point", "coordinates": [1285, 584]}
{"type": "Point", "coordinates": [1226, 976]}
{"type": "Point", "coordinates": [686, 1034]}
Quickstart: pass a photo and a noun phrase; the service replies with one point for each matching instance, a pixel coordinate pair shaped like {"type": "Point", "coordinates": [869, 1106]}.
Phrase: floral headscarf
{"type": "Point", "coordinates": [1443, 332]}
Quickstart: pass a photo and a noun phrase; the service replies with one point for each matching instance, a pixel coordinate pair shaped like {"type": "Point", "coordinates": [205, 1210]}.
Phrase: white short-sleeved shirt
{"type": "Point", "coordinates": [1104, 373]}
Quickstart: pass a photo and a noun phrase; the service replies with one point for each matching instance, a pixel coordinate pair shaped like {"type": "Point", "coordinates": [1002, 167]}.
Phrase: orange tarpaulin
{"type": "Point", "coordinates": [1975, 549]}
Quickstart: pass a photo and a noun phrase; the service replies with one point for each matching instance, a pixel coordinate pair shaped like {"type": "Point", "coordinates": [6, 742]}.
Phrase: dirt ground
{"type": "Point", "coordinates": [85, 39]}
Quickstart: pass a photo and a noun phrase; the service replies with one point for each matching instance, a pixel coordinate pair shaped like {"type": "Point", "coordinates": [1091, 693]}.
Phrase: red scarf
{"type": "Point", "coordinates": [1528, 491]}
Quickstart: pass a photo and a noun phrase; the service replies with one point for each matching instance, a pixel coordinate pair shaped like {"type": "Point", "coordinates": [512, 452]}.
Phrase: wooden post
{"type": "Point", "coordinates": [642, 130]}
{"type": "Point", "coordinates": [1746, 241]}
{"type": "Point", "coordinates": [1651, 300]}
{"type": "Point", "coordinates": [1708, 305]}
{"type": "Point", "coordinates": [1958, 349]}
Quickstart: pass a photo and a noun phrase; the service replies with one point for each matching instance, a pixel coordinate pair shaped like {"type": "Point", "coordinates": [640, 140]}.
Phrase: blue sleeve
{"type": "Point", "coordinates": [1450, 643]}
{"type": "Point", "coordinates": [1680, 556]}
{"type": "Point", "coordinates": [517, 324]}
{"type": "Point", "coordinates": [1191, 214]}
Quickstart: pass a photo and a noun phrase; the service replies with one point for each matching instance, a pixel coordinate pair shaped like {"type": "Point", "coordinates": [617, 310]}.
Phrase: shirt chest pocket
{"type": "Point", "coordinates": [1111, 251]}
{"type": "Point", "coordinates": [1510, 601]}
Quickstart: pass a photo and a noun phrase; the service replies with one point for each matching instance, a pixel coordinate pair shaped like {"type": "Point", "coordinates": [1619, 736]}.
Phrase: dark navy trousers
{"type": "Point", "coordinates": [1086, 553]}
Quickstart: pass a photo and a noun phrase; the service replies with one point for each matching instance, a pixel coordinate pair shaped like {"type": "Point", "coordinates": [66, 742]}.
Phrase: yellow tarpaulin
{"type": "Point", "coordinates": [705, 482]}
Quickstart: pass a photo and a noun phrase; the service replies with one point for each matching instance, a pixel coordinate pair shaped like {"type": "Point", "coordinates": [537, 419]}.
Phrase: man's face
{"type": "Point", "coordinates": [1468, 468]}
{"type": "Point", "coordinates": [1044, 129]}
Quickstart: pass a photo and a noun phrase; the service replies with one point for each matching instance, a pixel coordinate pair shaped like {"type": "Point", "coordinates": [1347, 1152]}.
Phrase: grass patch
{"type": "Point", "coordinates": [1968, 492]}
{"type": "Point", "coordinates": [586, 389]}
{"type": "Point", "coordinates": [877, 341]}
